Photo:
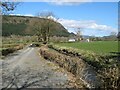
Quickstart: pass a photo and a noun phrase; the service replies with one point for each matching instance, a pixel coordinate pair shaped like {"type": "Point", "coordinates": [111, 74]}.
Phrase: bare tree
{"type": "Point", "coordinates": [113, 34]}
{"type": "Point", "coordinates": [78, 34]}
{"type": "Point", "coordinates": [6, 7]}
{"type": "Point", "coordinates": [36, 25]}
{"type": "Point", "coordinates": [43, 30]}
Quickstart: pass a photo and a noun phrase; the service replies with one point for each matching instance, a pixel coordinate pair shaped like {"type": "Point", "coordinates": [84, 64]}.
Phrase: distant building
{"type": "Point", "coordinates": [87, 40]}
{"type": "Point", "coordinates": [71, 40]}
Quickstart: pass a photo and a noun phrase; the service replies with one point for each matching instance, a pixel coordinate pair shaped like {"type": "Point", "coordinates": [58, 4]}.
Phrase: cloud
{"type": "Point", "coordinates": [62, 2]}
{"type": "Point", "coordinates": [105, 0]}
{"type": "Point", "coordinates": [69, 2]}
{"type": "Point", "coordinates": [65, 3]}
{"type": "Point", "coordinates": [57, 2]}
{"type": "Point", "coordinates": [23, 15]}
{"type": "Point", "coordinates": [88, 24]}
{"type": "Point", "coordinates": [53, 18]}
{"type": "Point", "coordinates": [15, 14]}
{"type": "Point", "coordinates": [28, 15]}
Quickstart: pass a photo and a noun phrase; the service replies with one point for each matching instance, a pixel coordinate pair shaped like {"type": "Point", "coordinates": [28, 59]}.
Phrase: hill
{"type": "Point", "coordinates": [21, 25]}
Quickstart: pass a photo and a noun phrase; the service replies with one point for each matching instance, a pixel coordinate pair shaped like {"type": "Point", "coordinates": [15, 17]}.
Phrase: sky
{"type": "Point", "coordinates": [94, 18]}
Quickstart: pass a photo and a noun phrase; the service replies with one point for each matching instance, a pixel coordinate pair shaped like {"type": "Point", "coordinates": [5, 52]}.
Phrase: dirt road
{"type": "Point", "coordinates": [27, 69]}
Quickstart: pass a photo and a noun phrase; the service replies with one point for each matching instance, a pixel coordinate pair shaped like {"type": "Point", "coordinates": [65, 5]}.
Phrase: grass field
{"type": "Point", "coordinates": [97, 47]}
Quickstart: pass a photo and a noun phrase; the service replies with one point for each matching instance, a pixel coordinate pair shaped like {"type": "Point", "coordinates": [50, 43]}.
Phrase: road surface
{"type": "Point", "coordinates": [27, 69]}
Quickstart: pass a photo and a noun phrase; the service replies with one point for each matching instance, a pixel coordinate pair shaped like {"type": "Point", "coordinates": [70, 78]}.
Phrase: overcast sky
{"type": "Point", "coordinates": [95, 18]}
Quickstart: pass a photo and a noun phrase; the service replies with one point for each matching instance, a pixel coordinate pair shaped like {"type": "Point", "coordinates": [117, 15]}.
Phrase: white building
{"type": "Point", "coordinates": [71, 40]}
{"type": "Point", "coordinates": [87, 40]}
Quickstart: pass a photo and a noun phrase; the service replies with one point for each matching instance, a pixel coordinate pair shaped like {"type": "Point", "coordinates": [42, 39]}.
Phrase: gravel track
{"type": "Point", "coordinates": [27, 69]}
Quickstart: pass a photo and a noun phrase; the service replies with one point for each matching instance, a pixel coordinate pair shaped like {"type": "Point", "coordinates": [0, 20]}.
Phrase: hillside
{"type": "Point", "coordinates": [21, 25]}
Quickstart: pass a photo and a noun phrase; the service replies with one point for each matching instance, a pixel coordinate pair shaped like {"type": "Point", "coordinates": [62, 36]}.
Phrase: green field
{"type": "Point", "coordinates": [97, 47]}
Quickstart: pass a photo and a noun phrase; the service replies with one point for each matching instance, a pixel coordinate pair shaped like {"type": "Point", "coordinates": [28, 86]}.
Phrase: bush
{"type": "Point", "coordinates": [11, 50]}
{"type": "Point", "coordinates": [7, 51]}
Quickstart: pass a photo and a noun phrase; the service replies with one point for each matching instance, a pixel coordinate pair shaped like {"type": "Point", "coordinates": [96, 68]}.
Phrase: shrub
{"type": "Point", "coordinates": [7, 51]}
{"type": "Point", "coordinates": [11, 50]}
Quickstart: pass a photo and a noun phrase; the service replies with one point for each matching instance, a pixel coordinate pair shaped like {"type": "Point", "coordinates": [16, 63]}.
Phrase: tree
{"type": "Point", "coordinates": [36, 26]}
{"type": "Point", "coordinates": [43, 27]}
{"type": "Point", "coordinates": [113, 34]}
{"type": "Point", "coordinates": [6, 7]}
{"type": "Point", "coordinates": [79, 34]}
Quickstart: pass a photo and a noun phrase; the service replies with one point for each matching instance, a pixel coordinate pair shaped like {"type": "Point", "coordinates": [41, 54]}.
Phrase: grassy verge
{"type": "Point", "coordinates": [10, 49]}
{"type": "Point", "coordinates": [107, 65]}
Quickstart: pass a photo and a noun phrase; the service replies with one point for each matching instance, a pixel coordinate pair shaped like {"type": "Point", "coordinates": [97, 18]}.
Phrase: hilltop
{"type": "Point", "coordinates": [21, 25]}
